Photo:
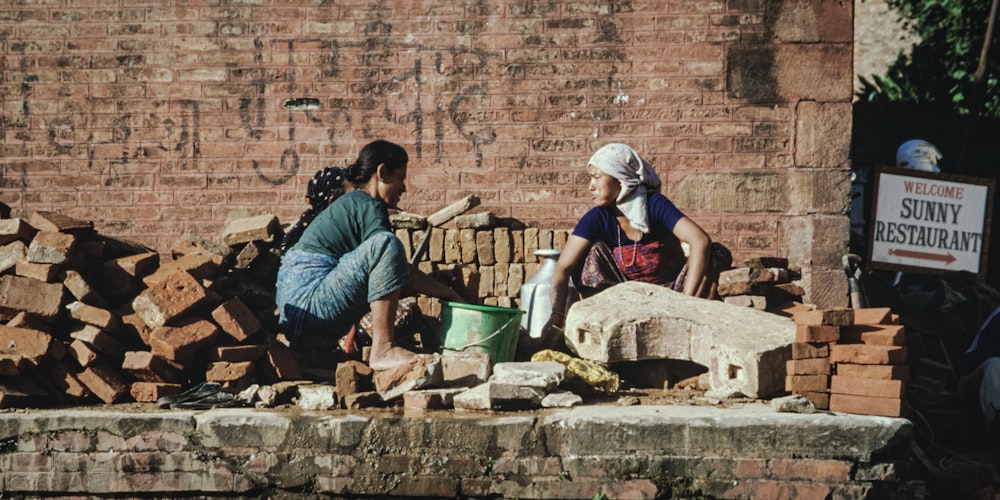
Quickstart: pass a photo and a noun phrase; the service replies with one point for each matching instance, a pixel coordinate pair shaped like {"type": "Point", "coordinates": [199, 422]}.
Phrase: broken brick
{"type": "Point", "coordinates": [100, 340]}
{"type": "Point", "coordinates": [353, 377]}
{"type": "Point", "coordinates": [163, 302]}
{"type": "Point", "coordinates": [66, 381]}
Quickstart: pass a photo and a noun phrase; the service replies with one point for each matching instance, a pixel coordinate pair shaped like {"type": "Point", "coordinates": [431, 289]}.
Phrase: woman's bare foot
{"type": "Point", "coordinates": [390, 357]}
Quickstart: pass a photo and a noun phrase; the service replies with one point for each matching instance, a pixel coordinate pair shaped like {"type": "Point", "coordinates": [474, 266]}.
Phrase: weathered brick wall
{"type": "Point", "coordinates": [154, 121]}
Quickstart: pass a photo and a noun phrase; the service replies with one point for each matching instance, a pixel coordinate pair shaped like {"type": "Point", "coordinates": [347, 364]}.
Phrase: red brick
{"type": "Point", "coordinates": [19, 294]}
{"type": "Point", "coordinates": [887, 335]}
{"type": "Point", "coordinates": [16, 230]}
{"type": "Point", "coordinates": [32, 345]}
{"type": "Point", "coordinates": [163, 302]}
{"type": "Point", "coordinates": [867, 354]}
{"type": "Point", "coordinates": [237, 353]}
{"type": "Point", "coordinates": [66, 381]}
{"type": "Point", "coordinates": [11, 254]}
{"type": "Point", "coordinates": [81, 289]}
{"type": "Point", "coordinates": [872, 316]}
{"type": "Point", "coordinates": [147, 367]}
{"type": "Point", "coordinates": [197, 266]}
{"type": "Point", "coordinates": [840, 384]}
{"type": "Point", "coordinates": [135, 266]}
{"type": "Point", "coordinates": [813, 366]}
{"type": "Point", "coordinates": [149, 392]}
{"type": "Point", "coordinates": [29, 321]}
{"type": "Point", "coordinates": [805, 350]}
{"type": "Point", "coordinates": [100, 340]}
{"type": "Point", "coordinates": [83, 353]}
{"type": "Point", "coordinates": [40, 272]}
{"type": "Point", "coordinates": [816, 333]}
{"type": "Point", "coordinates": [93, 315]}
{"type": "Point", "coordinates": [807, 383]}
{"type": "Point", "coordinates": [222, 371]}
{"type": "Point", "coordinates": [879, 372]}
{"type": "Point", "coordinates": [181, 343]}
{"type": "Point", "coordinates": [258, 228]}
{"type": "Point", "coordinates": [824, 471]}
{"type": "Point", "coordinates": [832, 317]}
{"type": "Point", "coordinates": [865, 405]}
{"type": "Point", "coordinates": [48, 247]}
{"type": "Point", "coordinates": [284, 362]}
{"type": "Point", "coordinates": [236, 319]}
{"type": "Point", "coordinates": [821, 400]}
{"type": "Point", "coordinates": [353, 377]}
{"type": "Point", "coordinates": [105, 383]}
{"type": "Point", "coordinates": [59, 222]}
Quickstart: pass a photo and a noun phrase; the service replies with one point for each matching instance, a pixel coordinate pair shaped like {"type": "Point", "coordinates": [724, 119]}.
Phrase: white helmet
{"type": "Point", "coordinates": [918, 154]}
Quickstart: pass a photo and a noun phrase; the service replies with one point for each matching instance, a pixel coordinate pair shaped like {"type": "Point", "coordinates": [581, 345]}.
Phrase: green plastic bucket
{"type": "Point", "coordinates": [484, 329]}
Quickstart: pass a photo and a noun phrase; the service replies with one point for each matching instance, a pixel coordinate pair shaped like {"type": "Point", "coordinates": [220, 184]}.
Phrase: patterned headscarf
{"type": "Point", "coordinates": [632, 172]}
{"type": "Point", "coordinates": [325, 186]}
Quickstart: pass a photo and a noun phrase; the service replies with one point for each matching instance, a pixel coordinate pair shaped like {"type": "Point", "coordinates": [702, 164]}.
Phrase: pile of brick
{"type": "Point", "coordinates": [90, 318]}
{"type": "Point", "coordinates": [763, 283]}
{"type": "Point", "coordinates": [849, 360]}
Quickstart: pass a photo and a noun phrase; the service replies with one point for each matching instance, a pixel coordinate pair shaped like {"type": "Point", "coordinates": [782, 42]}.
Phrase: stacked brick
{"type": "Point", "coordinates": [849, 360]}
{"type": "Point", "coordinates": [89, 318]}
{"type": "Point", "coordinates": [484, 262]}
{"type": "Point", "coordinates": [870, 364]}
{"type": "Point", "coordinates": [763, 283]}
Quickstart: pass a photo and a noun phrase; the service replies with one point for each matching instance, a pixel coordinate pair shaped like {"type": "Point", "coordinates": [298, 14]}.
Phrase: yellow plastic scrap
{"type": "Point", "coordinates": [591, 372]}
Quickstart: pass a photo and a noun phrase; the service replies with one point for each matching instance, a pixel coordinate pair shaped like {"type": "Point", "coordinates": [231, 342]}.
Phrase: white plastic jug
{"type": "Point", "coordinates": [536, 298]}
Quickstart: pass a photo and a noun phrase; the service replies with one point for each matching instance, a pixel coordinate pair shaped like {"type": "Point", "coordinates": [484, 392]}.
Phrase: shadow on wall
{"type": "Point", "coordinates": [879, 129]}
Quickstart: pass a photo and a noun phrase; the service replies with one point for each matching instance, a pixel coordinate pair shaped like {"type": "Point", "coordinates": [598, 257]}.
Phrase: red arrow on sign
{"type": "Point", "coordinates": [913, 254]}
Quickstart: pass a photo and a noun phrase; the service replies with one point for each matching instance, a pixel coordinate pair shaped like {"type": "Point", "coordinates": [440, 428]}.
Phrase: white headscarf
{"type": "Point", "coordinates": [632, 172]}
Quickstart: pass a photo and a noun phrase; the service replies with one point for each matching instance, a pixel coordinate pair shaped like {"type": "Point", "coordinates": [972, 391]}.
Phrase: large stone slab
{"type": "Point", "coordinates": [744, 349]}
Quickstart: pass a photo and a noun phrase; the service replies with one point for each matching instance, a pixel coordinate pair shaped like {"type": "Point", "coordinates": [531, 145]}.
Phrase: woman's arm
{"type": "Point", "coordinates": [698, 242]}
{"type": "Point", "coordinates": [421, 282]}
{"type": "Point", "coordinates": [572, 255]}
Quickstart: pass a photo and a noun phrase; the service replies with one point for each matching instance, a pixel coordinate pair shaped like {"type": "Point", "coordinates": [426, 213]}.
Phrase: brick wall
{"type": "Point", "coordinates": [155, 121]}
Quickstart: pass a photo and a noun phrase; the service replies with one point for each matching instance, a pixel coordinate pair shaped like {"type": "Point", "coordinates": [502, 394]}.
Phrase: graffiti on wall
{"type": "Point", "coordinates": [432, 92]}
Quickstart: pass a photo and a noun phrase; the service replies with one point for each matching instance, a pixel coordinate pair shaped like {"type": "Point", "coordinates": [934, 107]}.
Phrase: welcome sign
{"type": "Point", "coordinates": [928, 221]}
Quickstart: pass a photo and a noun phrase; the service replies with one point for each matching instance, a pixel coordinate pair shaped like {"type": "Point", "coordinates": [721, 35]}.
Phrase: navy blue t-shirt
{"type": "Point", "coordinates": [601, 224]}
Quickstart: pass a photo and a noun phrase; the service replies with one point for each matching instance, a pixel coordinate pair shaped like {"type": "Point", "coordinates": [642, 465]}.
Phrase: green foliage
{"type": "Point", "coordinates": [941, 69]}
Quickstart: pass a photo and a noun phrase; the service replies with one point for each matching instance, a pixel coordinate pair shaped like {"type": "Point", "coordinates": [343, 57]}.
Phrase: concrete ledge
{"type": "Point", "coordinates": [631, 452]}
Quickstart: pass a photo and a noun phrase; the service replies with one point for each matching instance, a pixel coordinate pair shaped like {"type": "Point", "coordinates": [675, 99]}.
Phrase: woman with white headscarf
{"type": "Point", "coordinates": [632, 233]}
